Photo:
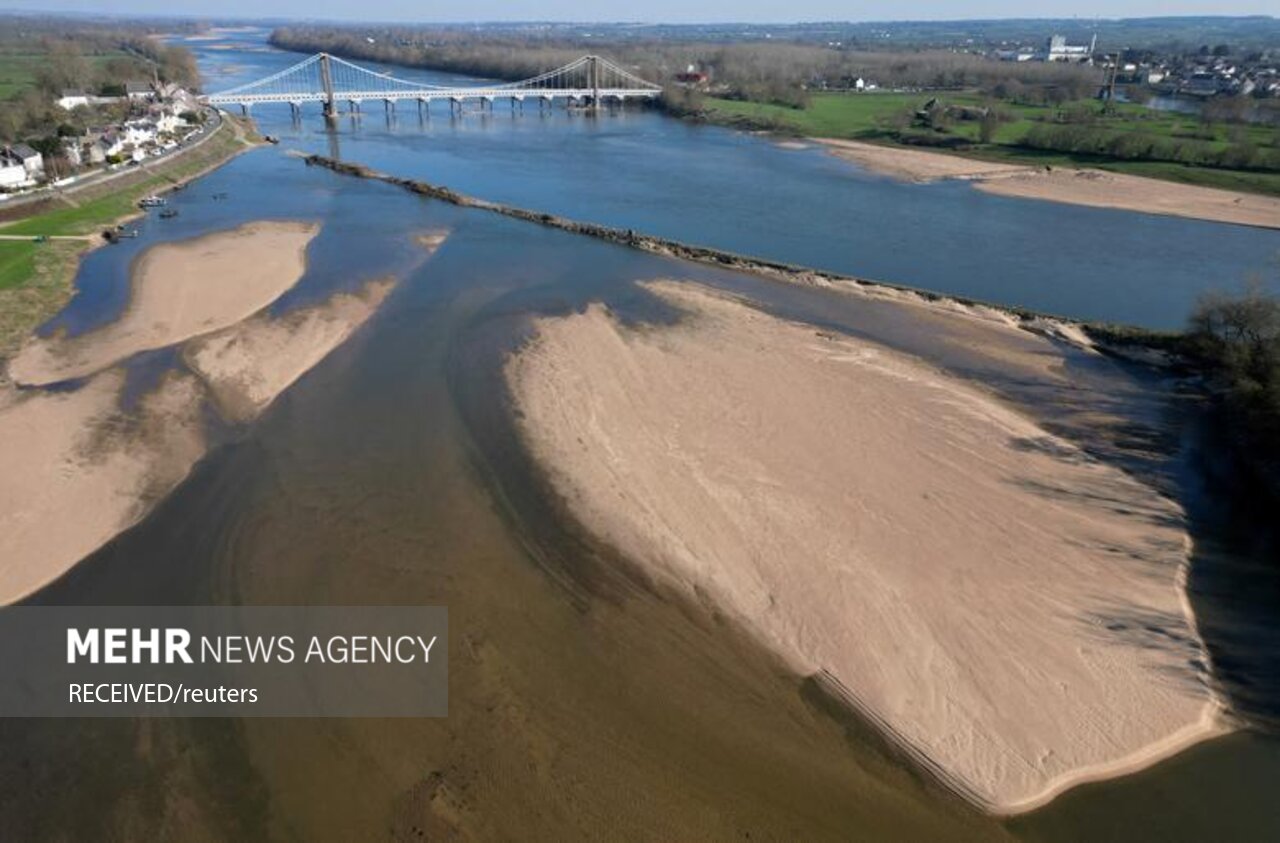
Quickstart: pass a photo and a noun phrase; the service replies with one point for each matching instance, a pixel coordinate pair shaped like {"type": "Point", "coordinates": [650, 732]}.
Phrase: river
{"type": "Point", "coordinates": [582, 704]}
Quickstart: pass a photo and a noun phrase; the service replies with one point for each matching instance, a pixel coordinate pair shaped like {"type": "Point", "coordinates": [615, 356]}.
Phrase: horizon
{"type": "Point", "coordinates": [325, 12]}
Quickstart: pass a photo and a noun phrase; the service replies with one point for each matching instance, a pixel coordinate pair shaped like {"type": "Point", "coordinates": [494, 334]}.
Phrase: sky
{"type": "Point", "coordinates": [653, 11]}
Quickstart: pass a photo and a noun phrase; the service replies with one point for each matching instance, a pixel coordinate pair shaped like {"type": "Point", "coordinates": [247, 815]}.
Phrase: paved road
{"type": "Point", "coordinates": [67, 193]}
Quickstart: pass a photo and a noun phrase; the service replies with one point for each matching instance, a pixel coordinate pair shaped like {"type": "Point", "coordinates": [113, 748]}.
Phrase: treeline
{"type": "Point", "coordinates": [758, 71]}
{"type": "Point", "coordinates": [1236, 340]}
{"type": "Point", "coordinates": [1142, 146]}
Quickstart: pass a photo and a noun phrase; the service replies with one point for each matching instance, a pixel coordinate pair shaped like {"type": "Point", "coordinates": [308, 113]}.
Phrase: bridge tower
{"type": "Point", "coordinates": [326, 79]}
{"type": "Point", "coordinates": [593, 67]}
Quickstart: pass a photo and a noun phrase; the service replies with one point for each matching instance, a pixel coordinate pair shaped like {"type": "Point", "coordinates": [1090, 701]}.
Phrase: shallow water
{"type": "Point", "coordinates": [585, 703]}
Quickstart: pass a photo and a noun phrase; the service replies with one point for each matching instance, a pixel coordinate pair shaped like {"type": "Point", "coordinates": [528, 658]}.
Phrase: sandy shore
{"type": "Point", "coordinates": [1007, 608]}
{"type": "Point", "coordinates": [180, 290]}
{"type": "Point", "coordinates": [1096, 188]}
{"type": "Point", "coordinates": [76, 471]}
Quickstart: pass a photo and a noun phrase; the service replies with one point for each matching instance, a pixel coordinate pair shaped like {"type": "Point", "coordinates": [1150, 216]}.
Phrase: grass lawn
{"type": "Point", "coordinates": [828, 115]}
{"type": "Point", "coordinates": [36, 282]}
{"type": "Point", "coordinates": [870, 116]}
{"type": "Point", "coordinates": [17, 262]}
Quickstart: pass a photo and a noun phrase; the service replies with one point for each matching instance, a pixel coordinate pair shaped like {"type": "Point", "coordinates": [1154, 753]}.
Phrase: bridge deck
{"type": "Point", "coordinates": [325, 78]}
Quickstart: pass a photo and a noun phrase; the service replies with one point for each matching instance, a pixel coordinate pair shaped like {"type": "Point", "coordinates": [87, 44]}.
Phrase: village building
{"type": "Point", "coordinates": [72, 98]}
{"type": "Point", "coordinates": [32, 161]}
{"type": "Point", "coordinates": [139, 92]}
{"type": "Point", "coordinates": [1057, 49]}
{"type": "Point", "coordinates": [12, 174]}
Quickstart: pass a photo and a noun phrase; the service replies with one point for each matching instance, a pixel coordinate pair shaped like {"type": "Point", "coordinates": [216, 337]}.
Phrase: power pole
{"type": "Point", "coordinates": [1111, 86]}
{"type": "Point", "coordinates": [326, 79]}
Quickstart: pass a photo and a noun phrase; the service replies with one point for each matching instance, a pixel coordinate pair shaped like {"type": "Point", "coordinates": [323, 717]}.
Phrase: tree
{"type": "Point", "coordinates": [987, 128]}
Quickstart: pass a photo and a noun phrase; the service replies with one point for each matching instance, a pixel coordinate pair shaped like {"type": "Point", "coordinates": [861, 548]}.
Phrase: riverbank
{"type": "Point", "coordinates": [40, 284]}
{"type": "Point", "coordinates": [108, 455]}
{"type": "Point", "coordinates": [1005, 608]}
{"type": "Point", "coordinates": [1092, 187]}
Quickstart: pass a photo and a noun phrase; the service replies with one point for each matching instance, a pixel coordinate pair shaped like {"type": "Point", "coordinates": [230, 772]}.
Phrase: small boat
{"type": "Point", "coordinates": [219, 196]}
{"type": "Point", "coordinates": [271, 139]}
{"type": "Point", "coordinates": [168, 213]}
{"type": "Point", "coordinates": [151, 202]}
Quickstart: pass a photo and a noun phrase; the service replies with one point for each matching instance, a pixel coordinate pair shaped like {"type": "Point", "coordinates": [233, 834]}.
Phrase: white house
{"type": "Point", "coordinates": [12, 173]}
{"type": "Point", "coordinates": [138, 92]}
{"type": "Point", "coordinates": [104, 146]}
{"type": "Point", "coordinates": [73, 99]}
{"type": "Point", "coordinates": [139, 132]}
{"type": "Point", "coordinates": [166, 119]}
{"type": "Point", "coordinates": [32, 161]}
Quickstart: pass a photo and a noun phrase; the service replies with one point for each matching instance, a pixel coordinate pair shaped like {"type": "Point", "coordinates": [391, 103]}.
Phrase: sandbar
{"type": "Point", "coordinates": [248, 365]}
{"type": "Point", "coordinates": [1007, 609]}
{"type": "Point", "coordinates": [179, 290]}
{"type": "Point", "coordinates": [1075, 186]}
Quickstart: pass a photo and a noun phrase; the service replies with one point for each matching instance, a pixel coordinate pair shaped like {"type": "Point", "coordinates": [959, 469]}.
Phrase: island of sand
{"type": "Point", "coordinates": [1075, 186]}
{"type": "Point", "coordinates": [78, 466]}
{"type": "Point", "coordinates": [180, 290]}
{"type": "Point", "coordinates": [1007, 609]}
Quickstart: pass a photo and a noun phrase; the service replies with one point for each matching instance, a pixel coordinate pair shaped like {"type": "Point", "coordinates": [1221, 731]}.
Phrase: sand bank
{"type": "Point", "coordinates": [180, 290]}
{"type": "Point", "coordinates": [248, 365]}
{"type": "Point", "coordinates": [76, 470]}
{"type": "Point", "coordinates": [1095, 188]}
{"type": "Point", "coordinates": [1007, 608]}
{"type": "Point", "coordinates": [917, 165]}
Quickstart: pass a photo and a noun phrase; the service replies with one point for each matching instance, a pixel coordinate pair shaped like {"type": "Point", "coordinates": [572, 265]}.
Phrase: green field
{"type": "Point", "coordinates": [17, 262]}
{"type": "Point", "coordinates": [19, 64]}
{"type": "Point", "coordinates": [879, 117]}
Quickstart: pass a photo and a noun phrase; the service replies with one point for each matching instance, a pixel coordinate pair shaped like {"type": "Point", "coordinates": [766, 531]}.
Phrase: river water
{"type": "Point", "coordinates": [583, 704]}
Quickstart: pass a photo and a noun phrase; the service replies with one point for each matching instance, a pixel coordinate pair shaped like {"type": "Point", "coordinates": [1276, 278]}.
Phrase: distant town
{"type": "Point", "coordinates": [1208, 71]}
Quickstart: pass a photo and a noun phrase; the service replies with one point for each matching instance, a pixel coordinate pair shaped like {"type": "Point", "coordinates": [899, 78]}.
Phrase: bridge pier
{"type": "Point", "coordinates": [389, 106]}
{"type": "Point", "coordinates": [244, 109]}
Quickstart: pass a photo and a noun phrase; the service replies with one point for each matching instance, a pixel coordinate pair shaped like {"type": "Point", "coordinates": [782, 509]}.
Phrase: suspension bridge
{"type": "Point", "coordinates": [591, 80]}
